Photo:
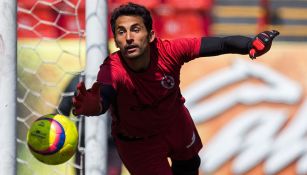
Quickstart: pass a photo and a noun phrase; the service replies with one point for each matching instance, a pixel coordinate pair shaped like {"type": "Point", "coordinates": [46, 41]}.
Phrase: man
{"type": "Point", "coordinates": [140, 84]}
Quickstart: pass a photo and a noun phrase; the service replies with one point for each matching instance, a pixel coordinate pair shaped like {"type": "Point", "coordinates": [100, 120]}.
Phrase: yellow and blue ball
{"type": "Point", "coordinates": [52, 139]}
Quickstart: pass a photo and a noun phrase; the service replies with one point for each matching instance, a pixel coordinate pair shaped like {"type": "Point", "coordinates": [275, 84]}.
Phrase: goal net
{"type": "Point", "coordinates": [51, 52]}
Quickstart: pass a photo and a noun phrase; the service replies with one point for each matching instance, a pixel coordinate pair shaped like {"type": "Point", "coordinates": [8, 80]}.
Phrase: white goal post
{"type": "Point", "coordinates": [8, 87]}
{"type": "Point", "coordinates": [96, 51]}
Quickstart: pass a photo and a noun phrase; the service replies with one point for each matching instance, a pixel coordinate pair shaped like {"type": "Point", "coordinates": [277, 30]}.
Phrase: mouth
{"type": "Point", "coordinates": [130, 49]}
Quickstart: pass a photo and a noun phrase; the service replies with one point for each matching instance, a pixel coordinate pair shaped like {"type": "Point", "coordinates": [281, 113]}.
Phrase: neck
{"type": "Point", "coordinates": [139, 63]}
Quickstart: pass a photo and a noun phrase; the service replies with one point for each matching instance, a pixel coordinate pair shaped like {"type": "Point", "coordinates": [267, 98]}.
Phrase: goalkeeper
{"type": "Point", "coordinates": [140, 85]}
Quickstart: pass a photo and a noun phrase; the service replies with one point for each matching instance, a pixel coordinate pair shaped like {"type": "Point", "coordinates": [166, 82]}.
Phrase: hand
{"type": "Point", "coordinates": [262, 43]}
{"type": "Point", "coordinates": [87, 102]}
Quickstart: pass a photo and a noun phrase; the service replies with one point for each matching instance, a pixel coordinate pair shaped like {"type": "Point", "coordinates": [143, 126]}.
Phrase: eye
{"type": "Point", "coordinates": [120, 32]}
{"type": "Point", "coordinates": [136, 29]}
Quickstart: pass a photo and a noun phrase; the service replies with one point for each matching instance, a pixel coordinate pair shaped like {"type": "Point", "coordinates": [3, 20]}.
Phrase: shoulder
{"type": "Point", "coordinates": [161, 43]}
{"type": "Point", "coordinates": [113, 60]}
{"type": "Point", "coordinates": [111, 71]}
{"type": "Point", "coordinates": [179, 50]}
{"type": "Point", "coordinates": [178, 43]}
{"type": "Point", "coordinates": [113, 64]}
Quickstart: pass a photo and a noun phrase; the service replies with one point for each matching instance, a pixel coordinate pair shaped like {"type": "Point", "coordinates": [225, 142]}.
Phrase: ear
{"type": "Point", "coordinates": [152, 36]}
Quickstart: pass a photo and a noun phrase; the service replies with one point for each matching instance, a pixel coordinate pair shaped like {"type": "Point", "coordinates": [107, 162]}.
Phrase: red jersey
{"type": "Point", "coordinates": [148, 102]}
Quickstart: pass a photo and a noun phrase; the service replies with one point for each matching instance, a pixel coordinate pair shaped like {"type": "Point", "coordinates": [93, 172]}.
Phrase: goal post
{"type": "Point", "coordinates": [57, 42]}
{"type": "Point", "coordinates": [8, 87]}
{"type": "Point", "coordinates": [96, 50]}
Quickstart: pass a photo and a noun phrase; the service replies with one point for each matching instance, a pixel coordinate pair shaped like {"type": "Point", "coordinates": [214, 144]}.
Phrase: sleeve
{"type": "Point", "coordinates": [108, 95]}
{"type": "Point", "coordinates": [183, 50]}
{"type": "Point", "coordinates": [109, 77]}
{"type": "Point", "coordinates": [213, 46]}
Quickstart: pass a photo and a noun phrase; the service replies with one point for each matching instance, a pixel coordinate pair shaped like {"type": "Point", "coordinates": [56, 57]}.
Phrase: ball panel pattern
{"type": "Point", "coordinates": [52, 139]}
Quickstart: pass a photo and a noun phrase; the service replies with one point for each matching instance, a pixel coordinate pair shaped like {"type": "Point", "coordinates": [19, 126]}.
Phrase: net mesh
{"type": "Point", "coordinates": [51, 55]}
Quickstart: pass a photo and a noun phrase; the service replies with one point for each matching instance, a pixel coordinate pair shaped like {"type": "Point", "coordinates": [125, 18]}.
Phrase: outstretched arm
{"type": "Point", "coordinates": [94, 101]}
{"type": "Point", "coordinates": [257, 46]}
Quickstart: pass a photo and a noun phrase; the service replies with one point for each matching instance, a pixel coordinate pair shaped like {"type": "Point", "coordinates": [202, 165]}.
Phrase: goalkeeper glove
{"type": "Point", "coordinates": [262, 43]}
{"type": "Point", "coordinates": [87, 102]}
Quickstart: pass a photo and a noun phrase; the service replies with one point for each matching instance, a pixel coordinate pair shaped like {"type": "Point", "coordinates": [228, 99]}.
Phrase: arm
{"type": "Point", "coordinates": [212, 46]}
{"type": "Point", "coordinates": [108, 95]}
{"type": "Point", "coordinates": [94, 101]}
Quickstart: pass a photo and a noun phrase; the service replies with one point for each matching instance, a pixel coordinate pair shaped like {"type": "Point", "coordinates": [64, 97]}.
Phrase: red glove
{"type": "Point", "coordinates": [262, 43]}
{"type": "Point", "coordinates": [87, 102]}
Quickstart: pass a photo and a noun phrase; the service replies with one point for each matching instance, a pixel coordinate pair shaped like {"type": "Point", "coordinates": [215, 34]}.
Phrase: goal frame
{"type": "Point", "coordinates": [8, 77]}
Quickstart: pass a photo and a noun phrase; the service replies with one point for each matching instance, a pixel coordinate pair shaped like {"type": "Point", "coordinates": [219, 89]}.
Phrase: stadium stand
{"type": "Point", "coordinates": [178, 18]}
{"type": "Point", "coordinates": [231, 17]}
{"type": "Point", "coordinates": [173, 18]}
{"type": "Point", "coordinates": [236, 17]}
{"type": "Point", "coordinates": [290, 18]}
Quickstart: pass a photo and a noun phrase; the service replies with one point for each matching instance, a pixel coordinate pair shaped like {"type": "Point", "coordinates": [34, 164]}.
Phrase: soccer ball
{"type": "Point", "coordinates": [52, 139]}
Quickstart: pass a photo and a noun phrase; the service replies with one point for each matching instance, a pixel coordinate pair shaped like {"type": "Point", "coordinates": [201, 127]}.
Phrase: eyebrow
{"type": "Point", "coordinates": [137, 25]}
{"type": "Point", "coordinates": [120, 27]}
{"type": "Point", "coordinates": [133, 25]}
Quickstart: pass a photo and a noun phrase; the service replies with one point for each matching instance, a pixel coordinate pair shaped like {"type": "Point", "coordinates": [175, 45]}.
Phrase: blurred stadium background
{"type": "Point", "coordinates": [255, 119]}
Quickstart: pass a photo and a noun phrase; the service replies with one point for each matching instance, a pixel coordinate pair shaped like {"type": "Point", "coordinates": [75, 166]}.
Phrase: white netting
{"type": "Point", "coordinates": [51, 53]}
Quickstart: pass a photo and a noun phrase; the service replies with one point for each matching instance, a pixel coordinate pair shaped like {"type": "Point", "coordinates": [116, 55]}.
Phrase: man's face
{"type": "Point", "coordinates": [131, 36]}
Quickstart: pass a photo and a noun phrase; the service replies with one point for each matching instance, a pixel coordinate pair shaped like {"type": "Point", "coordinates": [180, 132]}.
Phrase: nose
{"type": "Point", "coordinates": [129, 38]}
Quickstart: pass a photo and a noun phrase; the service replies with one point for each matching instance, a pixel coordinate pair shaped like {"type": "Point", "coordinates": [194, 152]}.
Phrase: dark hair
{"type": "Point", "coordinates": [132, 9]}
